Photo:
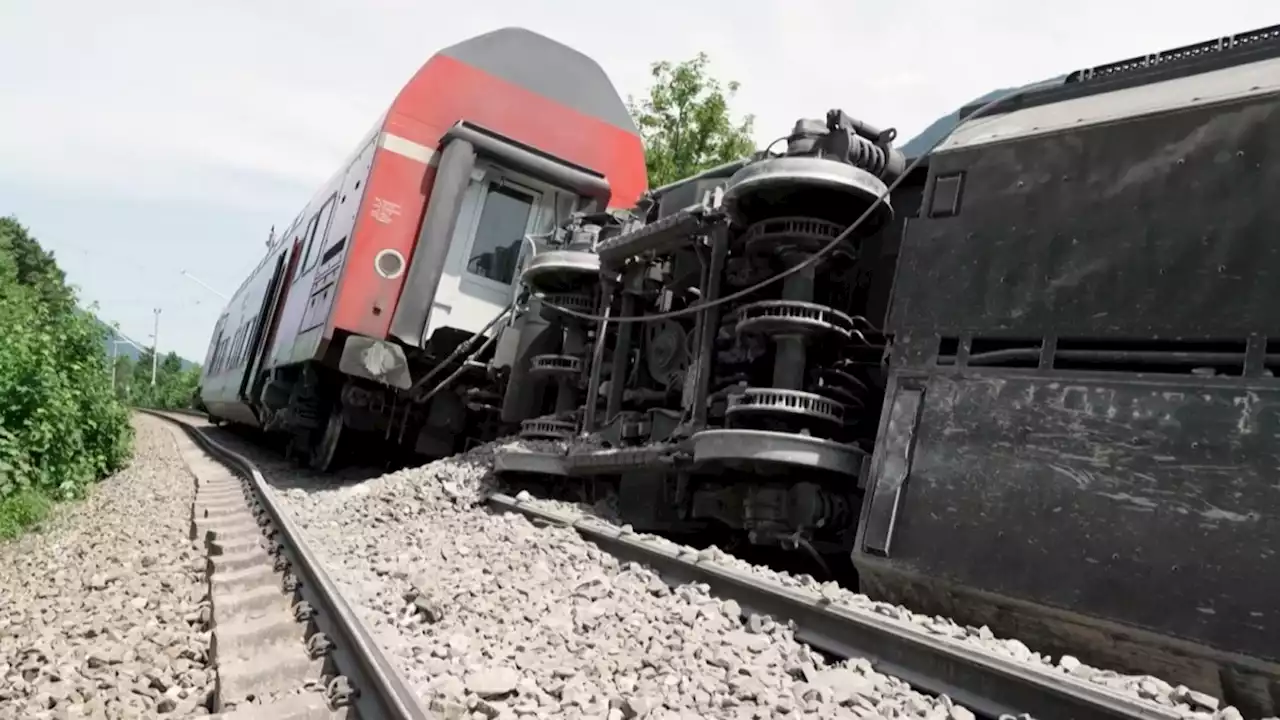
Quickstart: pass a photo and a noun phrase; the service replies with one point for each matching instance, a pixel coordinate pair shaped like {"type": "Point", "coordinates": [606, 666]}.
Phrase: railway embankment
{"type": "Point", "coordinates": [102, 611]}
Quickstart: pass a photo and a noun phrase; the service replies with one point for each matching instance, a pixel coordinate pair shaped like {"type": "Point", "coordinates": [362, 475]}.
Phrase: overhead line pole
{"type": "Point", "coordinates": [115, 346]}
{"type": "Point", "coordinates": [155, 349]}
{"type": "Point", "coordinates": [119, 339]}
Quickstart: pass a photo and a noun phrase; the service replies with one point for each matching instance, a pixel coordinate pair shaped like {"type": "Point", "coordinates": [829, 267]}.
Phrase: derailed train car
{"type": "Point", "coordinates": [412, 246]}
{"type": "Point", "coordinates": [1023, 382]}
{"type": "Point", "coordinates": [1032, 388]}
{"type": "Point", "coordinates": [1082, 420]}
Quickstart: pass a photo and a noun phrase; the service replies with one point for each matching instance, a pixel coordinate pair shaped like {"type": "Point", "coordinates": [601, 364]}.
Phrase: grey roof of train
{"type": "Point", "coordinates": [547, 68]}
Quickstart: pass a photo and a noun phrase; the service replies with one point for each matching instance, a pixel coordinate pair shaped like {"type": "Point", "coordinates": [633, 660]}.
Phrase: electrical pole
{"type": "Point", "coordinates": [115, 352]}
{"type": "Point", "coordinates": [155, 349]}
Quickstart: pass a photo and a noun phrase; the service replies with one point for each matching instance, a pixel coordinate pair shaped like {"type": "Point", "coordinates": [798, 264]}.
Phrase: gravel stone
{"type": "Point", "coordinates": [1194, 705]}
{"type": "Point", "coordinates": [525, 594]}
{"type": "Point", "coordinates": [528, 621]}
{"type": "Point", "coordinates": [102, 615]}
{"type": "Point", "coordinates": [492, 682]}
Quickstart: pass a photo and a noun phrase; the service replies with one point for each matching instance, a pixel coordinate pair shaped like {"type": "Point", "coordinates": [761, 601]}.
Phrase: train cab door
{"type": "Point", "coordinates": [268, 320]}
{"type": "Point", "coordinates": [499, 209]}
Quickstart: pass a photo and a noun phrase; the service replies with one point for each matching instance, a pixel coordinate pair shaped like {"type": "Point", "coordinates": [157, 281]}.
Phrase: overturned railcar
{"type": "Point", "coordinates": [1027, 382]}
{"type": "Point", "coordinates": [360, 306]}
{"type": "Point", "coordinates": [1080, 441]}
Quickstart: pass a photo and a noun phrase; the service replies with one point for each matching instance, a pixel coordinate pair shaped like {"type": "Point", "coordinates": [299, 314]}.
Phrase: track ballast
{"type": "Point", "coordinates": [285, 642]}
{"type": "Point", "coordinates": [482, 610]}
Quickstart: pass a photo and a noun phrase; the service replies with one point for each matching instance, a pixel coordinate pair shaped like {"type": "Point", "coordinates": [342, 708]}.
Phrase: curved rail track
{"type": "Point", "coordinates": [263, 583]}
{"type": "Point", "coordinates": [987, 684]}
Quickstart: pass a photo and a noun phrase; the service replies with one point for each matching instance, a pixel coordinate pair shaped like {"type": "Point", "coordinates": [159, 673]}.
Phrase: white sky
{"type": "Point", "coordinates": [138, 139]}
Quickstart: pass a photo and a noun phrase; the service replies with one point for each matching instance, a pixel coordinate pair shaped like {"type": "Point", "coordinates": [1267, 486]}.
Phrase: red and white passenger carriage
{"type": "Point", "coordinates": [413, 245]}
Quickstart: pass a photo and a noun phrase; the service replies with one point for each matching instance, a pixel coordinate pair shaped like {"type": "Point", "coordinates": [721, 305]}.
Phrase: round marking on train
{"type": "Point", "coordinates": [389, 264]}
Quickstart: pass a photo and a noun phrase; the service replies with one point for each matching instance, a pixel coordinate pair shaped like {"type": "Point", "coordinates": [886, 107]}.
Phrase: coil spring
{"type": "Point", "coordinates": [867, 155]}
{"type": "Point", "coordinates": [834, 511]}
{"type": "Point", "coordinates": [843, 387]}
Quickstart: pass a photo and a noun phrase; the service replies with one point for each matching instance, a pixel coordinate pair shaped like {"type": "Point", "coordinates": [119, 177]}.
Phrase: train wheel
{"type": "Point", "coordinates": [324, 452]}
{"type": "Point", "coordinates": [297, 449]}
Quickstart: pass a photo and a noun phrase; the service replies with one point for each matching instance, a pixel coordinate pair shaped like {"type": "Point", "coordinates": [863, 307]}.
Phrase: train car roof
{"type": "Point", "coordinates": [522, 56]}
{"type": "Point", "coordinates": [531, 93]}
{"type": "Point", "coordinates": [1208, 56]}
{"type": "Point", "coordinates": [1220, 70]}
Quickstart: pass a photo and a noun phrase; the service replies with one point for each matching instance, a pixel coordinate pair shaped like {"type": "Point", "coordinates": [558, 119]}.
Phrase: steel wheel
{"type": "Point", "coordinates": [323, 453]}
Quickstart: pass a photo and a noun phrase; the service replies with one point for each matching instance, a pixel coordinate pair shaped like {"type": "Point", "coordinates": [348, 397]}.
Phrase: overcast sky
{"type": "Point", "coordinates": [138, 139]}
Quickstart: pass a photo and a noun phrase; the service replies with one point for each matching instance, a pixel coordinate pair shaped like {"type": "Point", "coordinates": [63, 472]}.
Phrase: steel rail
{"type": "Point", "coordinates": [381, 692]}
{"type": "Point", "coordinates": [989, 685]}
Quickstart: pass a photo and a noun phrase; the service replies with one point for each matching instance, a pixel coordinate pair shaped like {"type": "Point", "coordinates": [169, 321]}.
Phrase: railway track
{"type": "Point", "coordinates": [989, 685]}
{"type": "Point", "coordinates": [285, 642]}
{"type": "Point", "coordinates": [962, 678]}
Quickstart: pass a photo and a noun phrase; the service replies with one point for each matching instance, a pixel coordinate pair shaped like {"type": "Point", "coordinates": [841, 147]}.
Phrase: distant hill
{"type": "Point", "coordinates": [945, 124]}
{"type": "Point", "coordinates": [127, 348]}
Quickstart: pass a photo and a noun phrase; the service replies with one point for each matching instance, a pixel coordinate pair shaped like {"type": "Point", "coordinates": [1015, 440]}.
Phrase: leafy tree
{"type": "Point", "coordinates": [685, 121]}
{"type": "Point", "coordinates": [122, 379]}
{"type": "Point", "coordinates": [61, 426]}
{"type": "Point", "coordinates": [34, 267]}
{"type": "Point", "coordinates": [142, 372]}
{"type": "Point", "coordinates": [174, 386]}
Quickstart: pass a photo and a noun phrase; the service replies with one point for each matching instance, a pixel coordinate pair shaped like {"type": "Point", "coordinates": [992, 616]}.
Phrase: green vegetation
{"type": "Point", "coordinates": [174, 386]}
{"type": "Point", "coordinates": [686, 123]}
{"type": "Point", "coordinates": [61, 426]}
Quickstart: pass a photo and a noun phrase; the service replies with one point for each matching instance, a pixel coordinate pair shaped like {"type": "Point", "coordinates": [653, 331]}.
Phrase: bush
{"type": "Point", "coordinates": [61, 426]}
{"type": "Point", "coordinates": [174, 389]}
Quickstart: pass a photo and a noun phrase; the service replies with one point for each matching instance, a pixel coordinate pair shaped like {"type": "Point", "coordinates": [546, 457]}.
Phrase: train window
{"type": "Point", "coordinates": [235, 347]}
{"type": "Point", "coordinates": [315, 235]}
{"type": "Point", "coordinates": [309, 242]}
{"type": "Point", "coordinates": [248, 338]}
{"type": "Point", "coordinates": [253, 328]}
{"type": "Point", "coordinates": [504, 220]}
{"type": "Point", "coordinates": [212, 354]}
{"type": "Point", "coordinates": [299, 269]}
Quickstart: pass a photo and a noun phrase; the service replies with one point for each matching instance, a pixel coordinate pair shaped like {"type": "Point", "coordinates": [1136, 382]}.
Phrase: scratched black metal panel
{"type": "Point", "coordinates": [880, 253]}
{"type": "Point", "coordinates": [1160, 226]}
{"type": "Point", "coordinates": [1144, 503]}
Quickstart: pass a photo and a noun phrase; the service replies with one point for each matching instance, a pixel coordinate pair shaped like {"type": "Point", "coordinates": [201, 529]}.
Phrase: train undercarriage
{"type": "Point", "coordinates": [709, 401]}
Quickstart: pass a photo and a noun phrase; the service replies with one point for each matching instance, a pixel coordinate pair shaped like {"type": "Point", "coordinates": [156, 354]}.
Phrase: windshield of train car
{"type": "Point", "coordinates": [504, 220]}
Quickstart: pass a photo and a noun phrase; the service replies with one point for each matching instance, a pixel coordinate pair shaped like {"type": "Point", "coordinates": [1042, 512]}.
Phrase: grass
{"type": "Point", "coordinates": [22, 510]}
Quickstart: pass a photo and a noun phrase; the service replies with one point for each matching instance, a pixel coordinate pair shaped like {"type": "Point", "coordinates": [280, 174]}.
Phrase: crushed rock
{"type": "Point", "coordinates": [103, 612]}
{"type": "Point", "coordinates": [588, 636]}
